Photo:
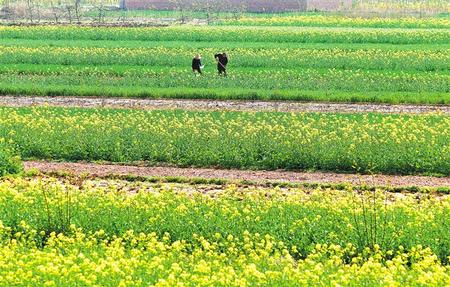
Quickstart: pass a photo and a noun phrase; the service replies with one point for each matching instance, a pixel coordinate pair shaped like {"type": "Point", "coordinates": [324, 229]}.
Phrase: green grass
{"type": "Point", "coordinates": [292, 80]}
{"type": "Point", "coordinates": [319, 84]}
{"type": "Point", "coordinates": [333, 58]}
{"type": "Point", "coordinates": [138, 44]}
{"type": "Point", "coordinates": [224, 94]}
{"type": "Point", "coordinates": [234, 34]}
{"type": "Point", "coordinates": [32, 89]}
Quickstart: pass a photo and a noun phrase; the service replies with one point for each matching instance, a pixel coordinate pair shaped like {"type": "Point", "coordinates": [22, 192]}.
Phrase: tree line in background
{"type": "Point", "coordinates": [78, 11]}
{"type": "Point", "coordinates": [98, 11]}
{"type": "Point", "coordinates": [71, 11]}
{"type": "Point", "coordinates": [208, 7]}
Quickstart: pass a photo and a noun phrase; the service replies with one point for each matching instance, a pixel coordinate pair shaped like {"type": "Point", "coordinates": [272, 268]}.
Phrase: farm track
{"type": "Point", "coordinates": [212, 105]}
{"type": "Point", "coordinates": [257, 176]}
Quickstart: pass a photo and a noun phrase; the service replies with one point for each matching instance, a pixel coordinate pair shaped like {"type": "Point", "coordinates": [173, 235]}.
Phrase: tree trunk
{"type": "Point", "coordinates": [30, 10]}
{"type": "Point", "coordinates": [78, 11]}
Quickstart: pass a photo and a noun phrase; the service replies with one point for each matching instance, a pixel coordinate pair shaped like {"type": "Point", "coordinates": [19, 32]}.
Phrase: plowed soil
{"type": "Point", "coordinates": [213, 105]}
{"type": "Point", "coordinates": [258, 176]}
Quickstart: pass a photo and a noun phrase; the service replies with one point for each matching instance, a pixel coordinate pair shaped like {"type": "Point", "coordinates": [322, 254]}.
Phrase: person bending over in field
{"type": "Point", "coordinates": [197, 64]}
{"type": "Point", "coordinates": [222, 61]}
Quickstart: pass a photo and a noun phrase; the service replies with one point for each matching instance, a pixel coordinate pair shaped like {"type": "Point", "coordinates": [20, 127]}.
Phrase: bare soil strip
{"type": "Point", "coordinates": [212, 105]}
{"type": "Point", "coordinates": [258, 176]}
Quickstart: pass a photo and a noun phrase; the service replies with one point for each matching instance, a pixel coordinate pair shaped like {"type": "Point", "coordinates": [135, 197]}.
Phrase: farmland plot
{"type": "Point", "coordinates": [117, 233]}
{"type": "Point", "coordinates": [399, 144]}
{"type": "Point", "coordinates": [398, 65]}
{"type": "Point", "coordinates": [64, 229]}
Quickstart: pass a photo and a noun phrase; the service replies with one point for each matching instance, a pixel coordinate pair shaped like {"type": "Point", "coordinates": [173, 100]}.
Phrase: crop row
{"type": "Point", "coordinates": [338, 142]}
{"type": "Point", "coordinates": [36, 89]}
{"type": "Point", "coordinates": [339, 21]}
{"type": "Point", "coordinates": [232, 34]}
{"type": "Point", "coordinates": [420, 76]}
{"type": "Point", "coordinates": [136, 44]}
{"type": "Point", "coordinates": [421, 60]}
{"type": "Point", "coordinates": [325, 81]}
{"type": "Point", "coordinates": [242, 83]}
{"type": "Point", "coordinates": [105, 235]}
{"type": "Point", "coordinates": [419, 6]}
{"type": "Point", "coordinates": [424, 60]}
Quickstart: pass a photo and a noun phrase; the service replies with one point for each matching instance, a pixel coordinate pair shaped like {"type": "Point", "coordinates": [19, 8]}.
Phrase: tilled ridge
{"type": "Point", "coordinates": [258, 176]}
{"type": "Point", "coordinates": [213, 105]}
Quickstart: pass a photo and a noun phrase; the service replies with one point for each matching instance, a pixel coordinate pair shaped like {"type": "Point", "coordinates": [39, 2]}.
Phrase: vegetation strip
{"type": "Point", "coordinates": [408, 66]}
{"type": "Point", "coordinates": [100, 233]}
{"type": "Point", "coordinates": [224, 34]}
{"type": "Point", "coordinates": [337, 21]}
{"type": "Point", "coordinates": [366, 143]}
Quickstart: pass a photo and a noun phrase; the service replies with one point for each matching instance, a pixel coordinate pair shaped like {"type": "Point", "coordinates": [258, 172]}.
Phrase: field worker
{"type": "Point", "coordinates": [197, 64]}
{"type": "Point", "coordinates": [222, 61]}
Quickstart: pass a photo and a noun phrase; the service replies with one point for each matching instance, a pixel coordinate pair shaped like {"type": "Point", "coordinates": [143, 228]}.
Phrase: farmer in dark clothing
{"type": "Point", "coordinates": [222, 61]}
{"type": "Point", "coordinates": [197, 64]}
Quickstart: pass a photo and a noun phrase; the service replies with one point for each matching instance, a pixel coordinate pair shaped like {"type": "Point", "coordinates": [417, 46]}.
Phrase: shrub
{"type": "Point", "coordinates": [10, 163]}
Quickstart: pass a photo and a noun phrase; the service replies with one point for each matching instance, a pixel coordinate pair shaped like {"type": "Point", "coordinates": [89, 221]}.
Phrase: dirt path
{"type": "Point", "coordinates": [281, 106]}
{"type": "Point", "coordinates": [261, 176]}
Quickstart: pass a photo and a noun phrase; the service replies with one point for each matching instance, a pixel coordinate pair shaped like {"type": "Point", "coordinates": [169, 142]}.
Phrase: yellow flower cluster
{"type": "Point", "coordinates": [145, 260]}
{"type": "Point", "coordinates": [365, 142]}
{"type": "Point", "coordinates": [399, 5]}
{"type": "Point", "coordinates": [156, 246]}
{"type": "Point", "coordinates": [342, 21]}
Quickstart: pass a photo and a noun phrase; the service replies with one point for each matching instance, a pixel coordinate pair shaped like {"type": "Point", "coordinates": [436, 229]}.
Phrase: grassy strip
{"type": "Point", "coordinates": [136, 44]}
{"type": "Point", "coordinates": [225, 94]}
{"type": "Point", "coordinates": [400, 144]}
{"type": "Point", "coordinates": [322, 73]}
{"type": "Point", "coordinates": [241, 57]}
{"type": "Point", "coordinates": [338, 21]}
{"type": "Point", "coordinates": [335, 58]}
{"type": "Point", "coordinates": [233, 34]}
{"type": "Point", "coordinates": [148, 71]}
{"type": "Point", "coordinates": [238, 81]}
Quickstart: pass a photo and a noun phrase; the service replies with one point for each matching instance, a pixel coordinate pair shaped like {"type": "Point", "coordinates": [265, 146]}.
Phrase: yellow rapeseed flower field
{"type": "Point", "coordinates": [117, 233]}
{"type": "Point", "coordinates": [338, 142]}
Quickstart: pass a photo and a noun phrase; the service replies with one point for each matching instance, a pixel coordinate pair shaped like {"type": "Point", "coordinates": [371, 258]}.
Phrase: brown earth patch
{"type": "Point", "coordinates": [269, 106]}
{"type": "Point", "coordinates": [256, 176]}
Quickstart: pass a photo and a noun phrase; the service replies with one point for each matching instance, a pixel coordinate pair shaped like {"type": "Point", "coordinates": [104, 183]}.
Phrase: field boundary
{"type": "Point", "coordinates": [103, 170]}
{"type": "Point", "coordinates": [216, 105]}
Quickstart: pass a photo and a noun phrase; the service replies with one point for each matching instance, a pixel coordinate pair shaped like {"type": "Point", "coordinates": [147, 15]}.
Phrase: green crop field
{"type": "Point", "coordinates": [349, 64]}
